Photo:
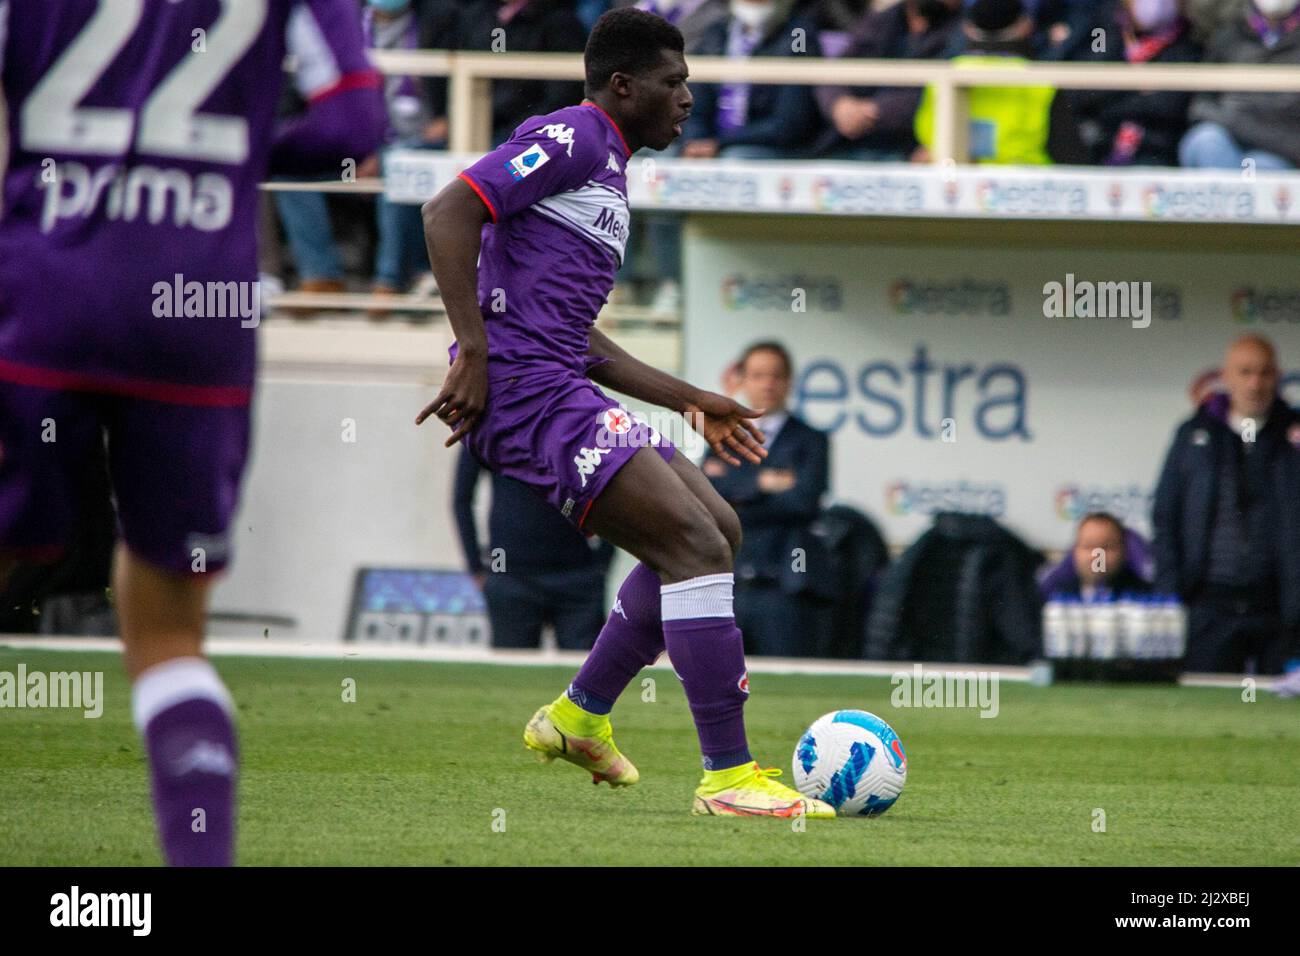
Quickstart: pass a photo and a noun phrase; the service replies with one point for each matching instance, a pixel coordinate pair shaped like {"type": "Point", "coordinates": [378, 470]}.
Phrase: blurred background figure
{"type": "Point", "coordinates": [759, 120]}
{"type": "Point", "coordinates": [1106, 561]}
{"type": "Point", "coordinates": [417, 118]}
{"type": "Point", "coordinates": [875, 123]}
{"type": "Point", "coordinates": [1009, 125]}
{"type": "Point", "coordinates": [1227, 520]}
{"type": "Point", "coordinates": [1135, 127]}
{"type": "Point", "coordinates": [1231, 128]}
{"type": "Point", "coordinates": [777, 608]}
{"type": "Point", "coordinates": [540, 569]}
{"type": "Point", "coordinates": [523, 26]}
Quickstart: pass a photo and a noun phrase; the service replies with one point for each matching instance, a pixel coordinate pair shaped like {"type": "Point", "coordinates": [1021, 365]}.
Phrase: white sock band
{"type": "Point", "coordinates": [706, 596]}
{"type": "Point", "coordinates": [173, 682]}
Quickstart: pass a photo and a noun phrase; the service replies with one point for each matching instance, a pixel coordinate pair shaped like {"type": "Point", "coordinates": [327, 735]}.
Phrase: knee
{"type": "Point", "coordinates": [729, 525]}
{"type": "Point", "coordinates": [694, 545]}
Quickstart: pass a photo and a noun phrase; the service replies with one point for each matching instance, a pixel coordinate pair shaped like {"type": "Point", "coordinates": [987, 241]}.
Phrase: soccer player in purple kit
{"type": "Point", "coordinates": [524, 245]}
{"type": "Point", "coordinates": [138, 132]}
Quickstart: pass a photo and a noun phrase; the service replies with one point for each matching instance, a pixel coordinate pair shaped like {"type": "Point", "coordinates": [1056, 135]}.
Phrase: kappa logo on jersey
{"type": "Point", "coordinates": [586, 461]}
{"type": "Point", "coordinates": [613, 163]}
{"type": "Point", "coordinates": [618, 609]}
{"type": "Point", "coordinates": [561, 134]}
{"type": "Point", "coordinates": [527, 162]}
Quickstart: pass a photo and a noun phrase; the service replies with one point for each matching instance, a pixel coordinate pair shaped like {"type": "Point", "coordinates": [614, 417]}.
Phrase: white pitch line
{"type": "Point", "coordinates": [340, 650]}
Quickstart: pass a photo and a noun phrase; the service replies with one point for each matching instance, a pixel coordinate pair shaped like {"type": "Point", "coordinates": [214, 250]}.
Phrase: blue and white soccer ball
{"type": "Point", "coordinates": [852, 760]}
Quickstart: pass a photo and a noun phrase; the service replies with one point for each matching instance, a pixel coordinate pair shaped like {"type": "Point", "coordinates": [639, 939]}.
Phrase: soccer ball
{"type": "Point", "coordinates": [852, 760]}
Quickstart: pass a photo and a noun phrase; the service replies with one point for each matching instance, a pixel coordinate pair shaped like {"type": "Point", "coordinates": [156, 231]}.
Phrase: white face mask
{"type": "Point", "coordinates": [1275, 9]}
{"type": "Point", "coordinates": [1152, 14]}
{"type": "Point", "coordinates": [752, 15]}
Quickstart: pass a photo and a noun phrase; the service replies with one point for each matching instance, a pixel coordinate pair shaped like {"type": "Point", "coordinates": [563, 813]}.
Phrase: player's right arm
{"type": "Point", "coordinates": [542, 159]}
{"type": "Point", "coordinates": [453, 229]}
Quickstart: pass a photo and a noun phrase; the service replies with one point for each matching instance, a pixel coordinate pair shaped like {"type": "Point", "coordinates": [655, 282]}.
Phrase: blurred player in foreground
{"type": "Point", "coordinates": [137, 136]}
{"type": "Point", "coordinates": [525, 245]}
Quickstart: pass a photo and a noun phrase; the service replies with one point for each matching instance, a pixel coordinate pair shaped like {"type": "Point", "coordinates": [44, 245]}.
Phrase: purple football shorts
{"type": "Point", "coordinates": [558, 433]}
{"type": "Point", "coordinates": [175, 469]}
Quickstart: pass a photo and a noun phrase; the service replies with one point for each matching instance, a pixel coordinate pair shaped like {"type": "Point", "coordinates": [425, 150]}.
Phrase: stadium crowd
{"type": "Point", "coordinates": [1022, 125]}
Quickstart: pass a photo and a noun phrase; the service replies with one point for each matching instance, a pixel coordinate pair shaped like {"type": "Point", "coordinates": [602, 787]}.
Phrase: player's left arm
{"type": "Point", "coordinates": [725, 424]}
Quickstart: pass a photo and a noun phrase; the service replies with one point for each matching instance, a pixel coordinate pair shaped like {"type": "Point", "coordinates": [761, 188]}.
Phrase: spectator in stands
{"type": "Point", "coordinates": [1098, 565]}
{"type": "Point", "coordinates": [1135, 127]}
{"type": "Point", "coordinates": [777, 503]}
{"type": "Point", "coordinates": [693, 17]}
{"type": "Point", "coordinates": [760, 120]}
{"type": "Point", "coordinates": [1208, 17]}
{"type": "Point", "coordinates": [1227, 520]}
{"type": "Point", "coordinates": [1009, 125]}
{"type": "Point", "coordinates": [1231, 128]}
{"type": "Point", "coordinates": [540, 569]}
{"type": "Point", "coordinates": [875, 123]}
{"type": "Point", "coordinates": [417, 118]}
{"type": "Point", "coordinates": [837, 18]}
{"type": "Point", "coordinates": [523, 26]}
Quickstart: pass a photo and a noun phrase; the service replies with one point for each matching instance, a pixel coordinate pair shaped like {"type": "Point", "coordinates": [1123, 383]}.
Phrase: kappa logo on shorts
{"type": "Point", "coordinates": [587, 459]}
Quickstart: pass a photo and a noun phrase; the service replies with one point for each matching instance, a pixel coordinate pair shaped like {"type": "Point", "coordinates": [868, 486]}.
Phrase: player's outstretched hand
{"type": "Point", "coordinates": [463, 396]}
{"type": "Point", "coordinates": [728, 427]}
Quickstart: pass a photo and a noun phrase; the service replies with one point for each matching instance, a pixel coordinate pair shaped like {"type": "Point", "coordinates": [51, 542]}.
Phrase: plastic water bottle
{"type": "Point", "coordinates": [1077, 626]}
{"type": "Point", "coordinates": [1056, 629]}
{"type": "Point", "coordinates": [1132, 625]}
{"type": "Point", "coordinates": [1103, 629]}
{"type": "Point", "coordinates": [1178, 625]}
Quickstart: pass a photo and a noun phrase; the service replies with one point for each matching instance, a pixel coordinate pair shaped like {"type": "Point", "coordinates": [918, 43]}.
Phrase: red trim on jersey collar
{"type": "Point", "coordinates": [361, 80]}
{"type": "Point", "coordinates": [481, 195]}
{"type": "Point", "coordinates": [621, 139]}
{"type": "Point", "coordinates": [203, 396]}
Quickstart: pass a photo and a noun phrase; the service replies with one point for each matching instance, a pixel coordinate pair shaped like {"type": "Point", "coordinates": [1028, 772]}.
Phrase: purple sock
{"type": "Point", "coordinates": [632, 638]}
{"type": "Point", "coordinates": [708, 654]}
{"type": "Point", "coordinates": [183, 711]}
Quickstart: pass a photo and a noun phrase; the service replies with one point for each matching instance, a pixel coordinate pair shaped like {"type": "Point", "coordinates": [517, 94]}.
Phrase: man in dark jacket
{"type": "Point", "coordinates": [1227, 520]}
{"type": "Point", "coordinates": [523, 26]}
{"type": "Point", "coordinates": [1262, 127]}
{"type": "Point", "coordinates": [777, 503]}
{"type": "Point", "coordinates": [754, 120]}
{"type": "Point", "coordinates": [875, 123]}
{"type": "Point", "coordinates": [1135, 127]}
{"type": "Point", "coordinates": [539, 570]}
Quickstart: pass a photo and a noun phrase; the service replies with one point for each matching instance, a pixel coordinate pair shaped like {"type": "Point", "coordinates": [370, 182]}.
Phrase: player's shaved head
{"type": "Point", "coordinates": [1250, 375]}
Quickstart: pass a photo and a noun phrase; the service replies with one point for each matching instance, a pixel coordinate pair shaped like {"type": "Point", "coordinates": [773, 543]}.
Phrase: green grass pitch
{"type": "Point", "coordinates": [421, 766]}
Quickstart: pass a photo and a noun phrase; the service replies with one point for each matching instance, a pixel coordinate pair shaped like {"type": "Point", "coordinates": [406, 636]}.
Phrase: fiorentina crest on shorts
{"type": "Point", "coordinates": [743, 683]}
{"type": "Point", "coordinates": [617, 421]}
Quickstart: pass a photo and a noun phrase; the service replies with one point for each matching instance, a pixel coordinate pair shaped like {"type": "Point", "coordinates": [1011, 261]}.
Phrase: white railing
{"type": "Point", "coordinates": [471, 74]}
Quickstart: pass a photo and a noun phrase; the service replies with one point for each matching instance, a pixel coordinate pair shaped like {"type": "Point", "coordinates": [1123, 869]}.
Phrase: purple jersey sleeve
{"type": "Point", "coordinates": [324, 39]}
{"type": "Point", "coordinates": [547, 155]}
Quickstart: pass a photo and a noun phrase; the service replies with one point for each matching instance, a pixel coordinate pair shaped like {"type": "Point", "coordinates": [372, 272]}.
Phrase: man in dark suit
{"type": "Point", "coordinates": [1227, 520]}
{"type": "Point", "coordinates": [540, 569]}
{"type": "Point", "coordinates": [777, 502]}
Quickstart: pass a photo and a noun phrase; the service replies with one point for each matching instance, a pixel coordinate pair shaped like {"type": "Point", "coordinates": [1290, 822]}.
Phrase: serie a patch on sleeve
{"type": "Point", "coordinates": [529, 161]}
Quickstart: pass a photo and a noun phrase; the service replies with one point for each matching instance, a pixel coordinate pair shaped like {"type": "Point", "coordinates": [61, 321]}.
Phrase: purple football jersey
{"type": "Point", "coordinates": [138, 132]}
{"type": "Point", "coordinates": [557, 193]}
